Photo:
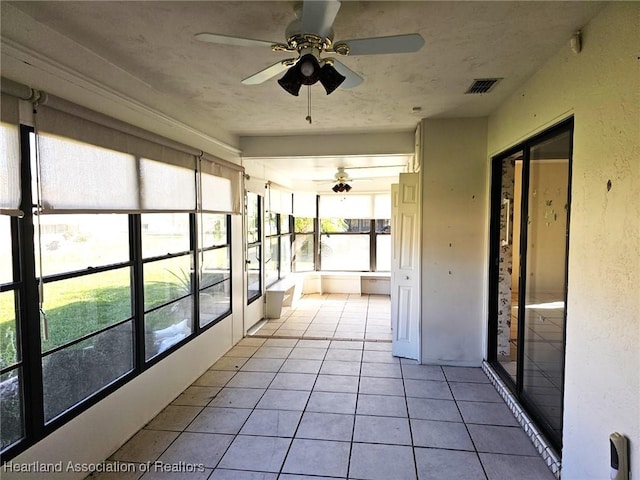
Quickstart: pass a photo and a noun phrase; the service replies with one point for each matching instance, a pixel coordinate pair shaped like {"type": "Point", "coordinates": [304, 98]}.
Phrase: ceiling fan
{"type": "Point", "coordinates": [309, 36]}
{"type": "Point", "coordinates": [341, 177]}
{"type": "Point", "coordinates": [341, 180]}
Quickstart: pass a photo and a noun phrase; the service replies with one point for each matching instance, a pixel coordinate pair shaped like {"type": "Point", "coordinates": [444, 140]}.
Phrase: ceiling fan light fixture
{"type": "Point", "coordinates": [307, 68]}
{"type": "Point", "coordinates": [290, 81]}
{"type": "Point", "coordinates": [306, 71]}
{"type": "Point", "coordinates": [330, 78]}
{"type": "Point", "coordinates": [341, 187]}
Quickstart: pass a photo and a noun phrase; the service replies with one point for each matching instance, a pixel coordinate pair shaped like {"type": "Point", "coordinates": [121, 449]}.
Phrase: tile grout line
{"type": "Point", "coordinates": [466, 427]}
{"type": "Point", "coordinates": [235, 436]}
{"type": "Point", "coordinates": [284, 459]}
{"type": "Point", "coordinates": [355, 413]}
{"type": "Point", "coordinates": [406, 404]}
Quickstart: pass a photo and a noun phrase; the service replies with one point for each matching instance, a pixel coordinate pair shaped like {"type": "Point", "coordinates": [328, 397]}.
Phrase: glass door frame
{"type": "Point", "coordinates": [494, 258]}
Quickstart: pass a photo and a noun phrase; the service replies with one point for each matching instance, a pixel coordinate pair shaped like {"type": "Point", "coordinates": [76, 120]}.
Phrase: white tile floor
{"type": "Point", "coordinates": [330, 316]}
{"type": "Point", "coordinates": [295, 408]}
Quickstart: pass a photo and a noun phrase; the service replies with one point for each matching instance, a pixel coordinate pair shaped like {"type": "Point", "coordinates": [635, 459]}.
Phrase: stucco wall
{"type": "Point", "coordinates": [454, 240]}
{"type": "Point", "coordinates": [601, 88]}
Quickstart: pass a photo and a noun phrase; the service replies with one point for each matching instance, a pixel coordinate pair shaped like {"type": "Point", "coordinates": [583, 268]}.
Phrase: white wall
{"type": "Point", "coordinates": [454, 240]}
{"type": "Point", "coordinates": [382, 143]}
{"type": "Point", "coordinates": [601, 88]}
{"type": "Point", "coordinates": [99, 431]}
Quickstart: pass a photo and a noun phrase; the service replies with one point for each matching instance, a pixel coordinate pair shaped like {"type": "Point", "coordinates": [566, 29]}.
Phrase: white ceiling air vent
{"type": "Point", "coordinates": [482, 85]}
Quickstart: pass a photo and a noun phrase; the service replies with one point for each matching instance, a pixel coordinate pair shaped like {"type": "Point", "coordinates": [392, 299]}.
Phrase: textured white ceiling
{"type": "Point", "coordinates": [139, 61]}
{"type": "Point", "coordinates": [147, 51]}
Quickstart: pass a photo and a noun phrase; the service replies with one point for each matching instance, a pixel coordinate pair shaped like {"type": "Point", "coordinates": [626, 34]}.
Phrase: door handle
{"type": "Point", "coordinates": [507, 240]}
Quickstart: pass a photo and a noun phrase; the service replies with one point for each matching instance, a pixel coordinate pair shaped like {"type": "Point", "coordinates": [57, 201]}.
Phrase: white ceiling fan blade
{"type": "Point", "coordinates": [352, 80]}
{"type": "Point", "coordinates": [380, 45]}
{"type": "Point", "coordinates": [318, 16]}
{"type": "Point", "coordinates": [235, 41]}
{"type": "Point", "coordinates": [343, 180]}
{"type": "Point", "coordinates": [269, 72]}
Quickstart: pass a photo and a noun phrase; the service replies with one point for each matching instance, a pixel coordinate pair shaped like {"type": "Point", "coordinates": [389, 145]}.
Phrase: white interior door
{"type": "Point", "coordinates": [405, 266]}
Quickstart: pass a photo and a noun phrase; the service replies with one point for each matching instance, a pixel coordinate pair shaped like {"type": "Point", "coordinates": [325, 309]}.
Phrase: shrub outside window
{"type": "Point", "coordinates": [168, 281]}
{"type": "Point", "coordinates": [215, 267]}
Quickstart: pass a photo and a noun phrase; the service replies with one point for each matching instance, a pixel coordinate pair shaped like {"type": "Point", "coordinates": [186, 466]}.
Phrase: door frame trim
{"type": "Point", "coordinates": [495, 193]}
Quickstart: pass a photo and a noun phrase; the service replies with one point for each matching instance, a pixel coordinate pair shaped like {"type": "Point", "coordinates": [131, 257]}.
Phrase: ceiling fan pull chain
{"type": "Point", "coordinates": [308, 119]}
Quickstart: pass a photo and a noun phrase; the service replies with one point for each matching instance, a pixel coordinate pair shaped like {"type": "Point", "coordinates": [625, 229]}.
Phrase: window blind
{"type": "Point", "coordinates": [165, 187]}
{"type": "Point", "coordinates": [279, 201]}
{"type": "Point", "coordinates": [222, 187]}
{"type": "Point", "coordinates": [304, 204]}
{"type": "Point", "coordinates": [76, 176]}
{"type": "Point", "coordinates": [90, 162]}
{"type": "Point", "coordinates": [10, 194]}
{"type": "Point", "coordinates": [346, 206]}
{"type": "Point", "coordinates": [355, 206]}
{"type": "Point", "coordinates": [382, 205]}
{"type": "Point", "coordinates": [91, 127]}
{"type": "Point", "coordinates": [256, 185]}
{"type": "Point", "coordinates": [216, 194]}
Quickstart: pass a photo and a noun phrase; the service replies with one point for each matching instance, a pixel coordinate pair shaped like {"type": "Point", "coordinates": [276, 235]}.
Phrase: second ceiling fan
{"type": "Point", "coordinates": [310, 36]}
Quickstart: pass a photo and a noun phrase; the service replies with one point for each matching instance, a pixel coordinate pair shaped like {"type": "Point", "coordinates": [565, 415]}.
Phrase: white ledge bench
{"type": "Point", "coordinates": [284, 293]}
{"type": "Point", "coordinates": [358, 283]}
{"type": "Point", "coordinates": [287, 291]}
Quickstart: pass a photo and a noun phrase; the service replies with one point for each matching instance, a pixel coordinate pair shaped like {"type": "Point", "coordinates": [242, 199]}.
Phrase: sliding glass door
{"type": "Point", "coordinates": [528, 280]}
{"type": "Point", "coordinates": [508, 173]}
